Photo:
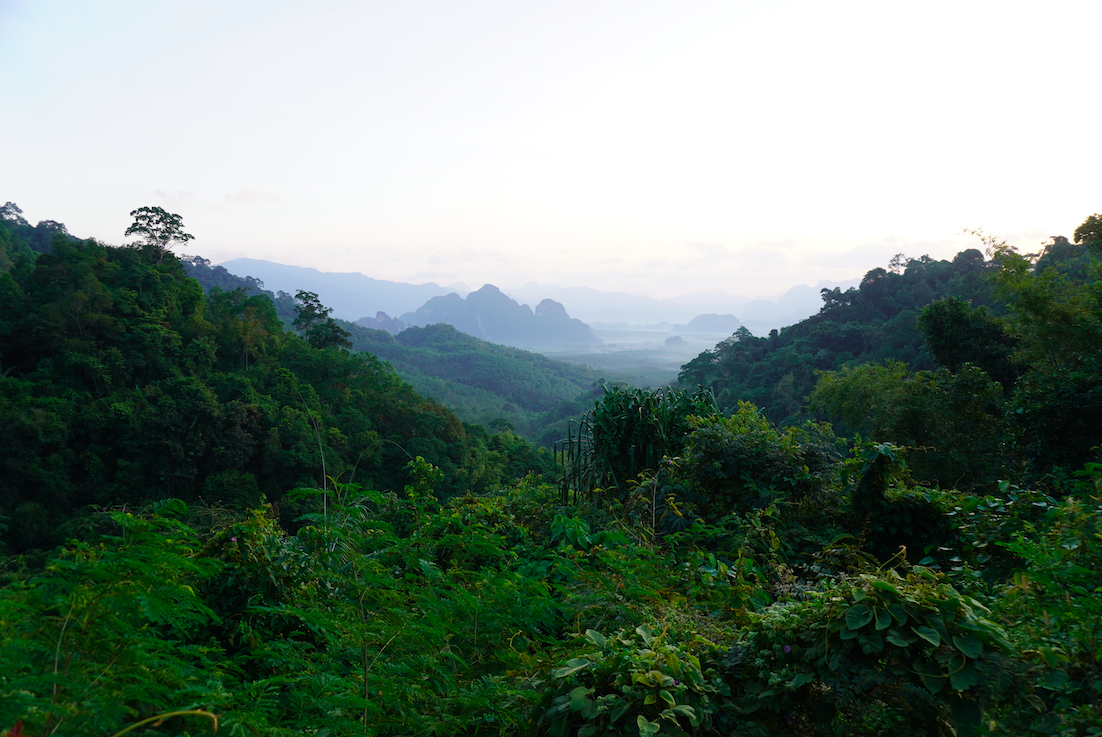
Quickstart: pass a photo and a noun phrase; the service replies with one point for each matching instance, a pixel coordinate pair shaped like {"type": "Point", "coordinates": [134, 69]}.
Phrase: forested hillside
{"type": "Point", "coordinates": [979, 365]}
{"type": "Point", "coordinates": [871, 324]}
{"type": "Point", "coordinates": [483, 383]}
{"type": "Point", "coordinates": [697, 569]}
{"type": "Point", "coordinates": [120, 383]}
{"type": "Point", "coordinates": [19, 239]}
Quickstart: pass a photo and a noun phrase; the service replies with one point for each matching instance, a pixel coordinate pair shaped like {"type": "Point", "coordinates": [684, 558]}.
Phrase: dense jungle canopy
{"type": "Point", "coordinates": [217, 518]}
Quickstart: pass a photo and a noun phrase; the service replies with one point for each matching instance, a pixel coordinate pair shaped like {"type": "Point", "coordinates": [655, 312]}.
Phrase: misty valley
{"type": "Point", "coordinates": [258, 499]}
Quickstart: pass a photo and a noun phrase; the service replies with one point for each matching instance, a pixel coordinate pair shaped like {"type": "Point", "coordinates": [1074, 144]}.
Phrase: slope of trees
{"type": "Point", "coordinates": [120, 382]}
{"type": "Point", "coordinates": [874, 323]}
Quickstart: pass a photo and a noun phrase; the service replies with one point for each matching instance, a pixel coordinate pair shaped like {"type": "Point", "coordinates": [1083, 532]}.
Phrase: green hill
{"type": "Point", "coordinates": [876, 322]}
{"type": "Point", "coordinates": [120, 382]}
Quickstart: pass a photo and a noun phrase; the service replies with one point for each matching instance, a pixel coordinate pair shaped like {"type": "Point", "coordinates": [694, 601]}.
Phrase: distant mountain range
{"type": "Point", "coordinates": [351, 295]}
{"type": "Point", "coordinates": [359, 298]}
{"type": "Point", "coordinates": [758, 315]}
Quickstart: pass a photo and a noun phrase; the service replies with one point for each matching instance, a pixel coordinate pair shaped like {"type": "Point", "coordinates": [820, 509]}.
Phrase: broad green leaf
{"type": "Point", "coordinates": [932, 684]}
{"type": "Point", "coordinates": [801, 679]}
{"type": "Point", "coordinates": [885, 586]}
{"type": "Point", "coordinates": [928, 634]}
{"type": "Point", "coordinates": [858, 616]}
{"type": "Point", "coordinates": [899, 613]}
{"type": "Point", "coordinates": [872, 644]}
{"type": "Point", "coordinates": [595, 637]}
{"type": "Point", "coordinates": [1047, 723]}
{"type": "Point", "coordinates": [926, 669]}
{"type": "Point", "coordinates": [647, 728]}
{"type": "Point", "coordinates": [1056, 679]}
{"type": "Point", "coordinates": [938, 625]}
{"type": "Point", "coordinates": [900, 639]}
{"type": "Point", "coordinates": [685, 710]}
{"type": "Point", "coordinates": [965, 678]}
{"type": "Point", "coordinates": [667, 697]}
{"type": "Point", "coordinates": [572, 666]}
{"type": "Point", "coordinates": [968, 645]}
{"type": "Point", "coordinates": [1052, 656]}
{"type": "Point", "coordinates": [619, 712]}
{"type": "Point", "coordinates": [579, 698]}
{"type": "Point", "coordinates": [883, 620]}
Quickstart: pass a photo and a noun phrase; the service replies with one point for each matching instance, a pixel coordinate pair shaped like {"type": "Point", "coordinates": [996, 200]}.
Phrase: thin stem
{"type": "Point", "coordinates": [161, 717]}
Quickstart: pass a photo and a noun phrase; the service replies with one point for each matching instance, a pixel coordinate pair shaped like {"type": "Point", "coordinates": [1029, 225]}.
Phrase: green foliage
{"type": "Point", "coordinates": [479, 381]}
{"type": "Point", "coordinates": [900, 652]}
{"type": "Point", "coordinates": [876, 323]}
{"type": "Point", "coordinates": [958, 334]}
{"type": "Point", "coordinates": [484, 382]}
{"type": "Point", "coordinates": [1056, 319]}
{"type": "Point", "coordinates": [631, 683]}
{"type": "Point", "coordinates": [626, 433]}
{"type": "Point", "coordinates": [100, 637]}
{"type": "Point", "coordinates": [1061, 553]}
{"type": "Point", "coordinates": [120, 383]}
{"type": "Point", "coordinates": [158, 230]}
{"type": "Point", "coordinates": [743, 462]}
{"type": "Point", "coordinates": [717, 575]}
{"type": "Point", "coordinates": [953, 423]}
{"type": "Point", "coordinates": [312, 319]}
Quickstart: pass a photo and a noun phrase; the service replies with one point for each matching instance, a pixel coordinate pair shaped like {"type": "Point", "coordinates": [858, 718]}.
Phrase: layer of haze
{"type": "Point", "coordinates": [657, 147]}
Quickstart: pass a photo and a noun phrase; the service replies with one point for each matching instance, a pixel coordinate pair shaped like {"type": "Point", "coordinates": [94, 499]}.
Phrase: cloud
{"type": "Point", "coordinates": [878, 253]}
{"type": "Point", "coordinates": [173, 200]}
{"type": "Point", "coordinates": [249, 195]}
{"type": "Point", "coordinates": [469, 256]}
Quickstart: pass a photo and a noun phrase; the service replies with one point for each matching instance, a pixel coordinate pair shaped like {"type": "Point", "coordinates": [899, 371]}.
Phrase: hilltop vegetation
{"type": "Point", "coordinates": [875, 323]}
{"type": "Point", "coordinates": [699, 570]}
{"type": "Point", "coordinates": [981, 365]}
{"type": "Point", "coordinates": [122, 383]}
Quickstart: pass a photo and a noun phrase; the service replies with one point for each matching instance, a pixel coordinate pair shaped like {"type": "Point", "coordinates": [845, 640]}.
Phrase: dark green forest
{"type": "Point", "coordinates": [217, 518]}
{"type": "Point", "coordinates": [122, 383]}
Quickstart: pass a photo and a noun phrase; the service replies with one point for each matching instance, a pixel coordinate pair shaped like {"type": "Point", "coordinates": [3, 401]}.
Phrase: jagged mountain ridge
{"type": "Point", "coordinates": [493, 316]}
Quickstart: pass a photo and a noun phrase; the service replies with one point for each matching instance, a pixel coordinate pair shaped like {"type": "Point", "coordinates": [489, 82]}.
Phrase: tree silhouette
{"type": "Point", "coordinates": [158, 230]}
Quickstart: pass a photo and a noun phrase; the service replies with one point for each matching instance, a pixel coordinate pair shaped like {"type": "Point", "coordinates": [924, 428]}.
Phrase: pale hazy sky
{"type": "Point", "coordinates": [658, 147]}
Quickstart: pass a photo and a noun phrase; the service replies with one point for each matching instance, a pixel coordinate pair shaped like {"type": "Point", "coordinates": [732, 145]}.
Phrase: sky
{"type": "Point", "coordinates": [629, 145]}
